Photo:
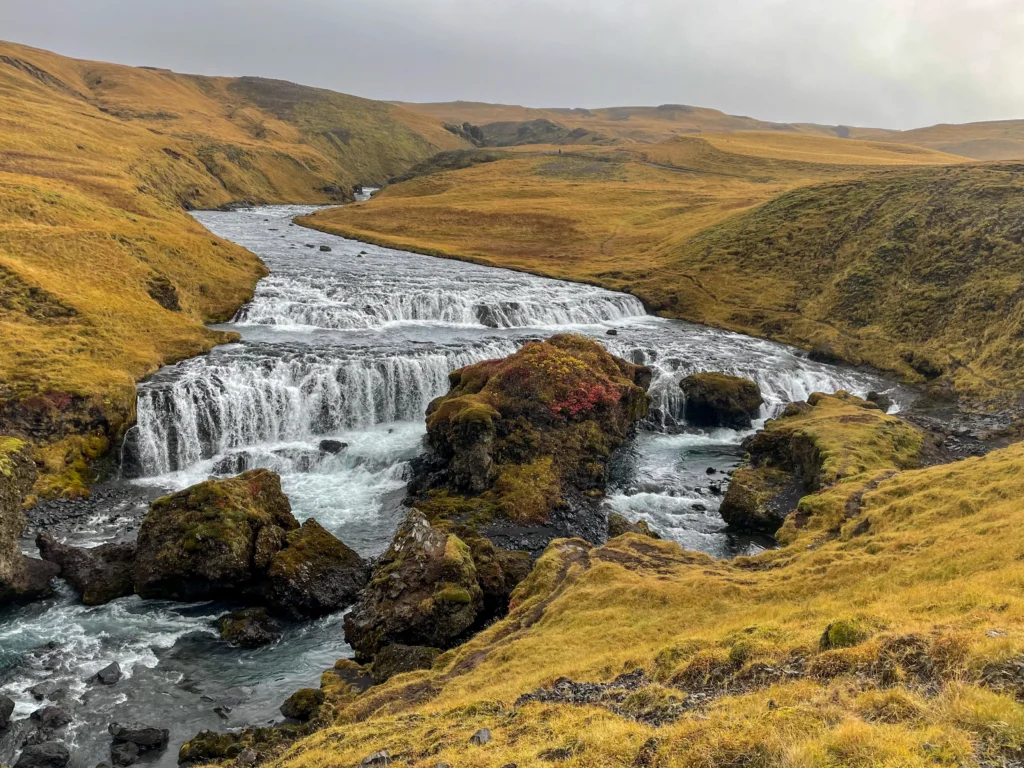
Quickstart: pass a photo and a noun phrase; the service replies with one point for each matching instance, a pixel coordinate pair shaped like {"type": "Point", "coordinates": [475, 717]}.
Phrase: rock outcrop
{"type": "Point", "coordinates": [620, 526]}
{"type": "Point", "coordinates": [250, 628]}
{"type": "Point", "coordinates": [99, 574]}
{"type": "Point", "coordinates": [424, 591]}
{"type": "Point", "coordinates": [395, 659]}
{"type": "Point", "coordinates": [22, 579]}
{"type": "Point", "coordinates": [237, 539]}
{"type": "Point", "coordinates": [313, 575]}
{"type": "Point", "coordinates": [721, 400]}
{"type": "Point", "coordinates": [811, 446]}
{"type": "Point", "coordinates": [519, 447]}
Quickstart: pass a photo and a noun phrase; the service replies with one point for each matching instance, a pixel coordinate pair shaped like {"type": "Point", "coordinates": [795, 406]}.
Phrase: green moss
{"type": "Point", "coordinates": [844, 633]}
{"type": "Point", "coordinates": [452, 593]}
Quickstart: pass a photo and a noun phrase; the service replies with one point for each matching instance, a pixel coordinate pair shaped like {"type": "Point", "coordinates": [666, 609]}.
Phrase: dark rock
{"type": "Point", "coordinates": [6, 710]}
{"type": "Point", "coordinates": [611, 332]}
{"type": "Point", "coordinates": [498, 571]}
{"type": "Point", "coordinates": [163, 292]}
{"type": "Point", "coordinates": [143, 736]}
{"type": "Point", "coordinates": [51, 718]}
{"type": "Point", "coordinates": [250, 628]}
{"type": "Point", "coordinates": [383, 757]}
{"type": "Point", "coordinates": [247, 757]}
{"type": "Point", "coordinates": [109, 674]}
{"type": "Point", "coordinates": [395, 659]}
{"type": "Point", "coordinates": [720, 400]}
{"type": "Point", "coordinates": [49, 754]}
{"type": "Point", "coordinates": [314, 574]}
{"type": "Point", "coordinates": [302, 704]}
{"type": "Point", "coordinates": [424, 591]}
{"type": "Point", "coordinates": [711, 471]}
{"type": "Point", "coordinates": [44, 690]}
{"type": "Point", "coordinates": [824, 353]}
{"type": "Point", "coordinates": [481, 737]}
{"type": "Point", "coordinates": [619, 526]}
{"type": "Point", "coordinates": [332, 446]}
{"type": "Point", "coordinates": [124, 753]}
{"type": "Point", "coordinates": [207, 746]}
{"type": "Point", "coordinates": [22, 579]}
{"type": "Point", "coordinates": [213, 539]}
{"type": "Point", "coordinates": [99, 574]}
{"type": "Point", "coordinates": [325, 248]}
{"type": "Point", "coordinates": [882, 401]}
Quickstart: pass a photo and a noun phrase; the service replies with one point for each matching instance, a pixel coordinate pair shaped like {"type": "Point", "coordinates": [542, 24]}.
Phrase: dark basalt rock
{"type": "Point", "coordinates": [22, 579]}
{"type": "Point", "coordinates": [720, 400]}
{"type": "Point", "coordinates": [109, 675]}
{"type": "Point", "coordinates": [332, 446]}
{"type": "Point", "coordinates": [211, 540]}
{"type": "Point", "coordinates": [6, 710]}
{"type": "Point", "coordinates": [51, 718]}
{"type": "Point", "coordinates": [396, 659]}
{"type": "Point", "coordinates": [303, 704]}
{"type": "Point", "coordinates": [250, 628]}
{"type": "Point", "coordinates": [99, 574]}
{"type": "Point", "coordinates": [145, 737]}
{"type": "Point", "coordinates": [49, 754]}
{"type": "Point", "coordinates": [207, 746]}
{"type": "Point", "coordinates": [325, 248]}
{"type": "Point", "coordinates": [424, 591]}
{"type": "Point", "coordinates": [313, 575]}
{"type": "Point", "coordinates": [619, 526]}
{"type": "Point", "coordinates": [125, 753]}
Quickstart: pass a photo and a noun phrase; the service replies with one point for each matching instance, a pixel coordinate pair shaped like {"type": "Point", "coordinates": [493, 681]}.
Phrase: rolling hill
{"type": "Point", "coordinates": [103, 275]}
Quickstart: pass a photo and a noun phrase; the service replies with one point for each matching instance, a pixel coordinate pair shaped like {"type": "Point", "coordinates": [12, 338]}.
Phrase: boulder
{"type": "Point", "coordinates": [213, 539]}
{"type": "Point", "coordinates": [208, 746]}
{"type": "Point", "coordinates": [720, 400]}
{"type": "Point", "coordinates": [49, 754]}
{"type": "Point", "coordinates": [423, 591]}
{"type": "Point", "coordinates": [145, 737]}
{"type": "Point", "coordinates": [51, 718]}
{"type": "Point", "coordinates": [325, 248]}
{"type": "Point", "coordinates": [22, 579]}
{"type": "Point", "coordinates": [498, 571]}
{"type": "Point", "coordinates": [124, 753]}
{"type": "Point", "coordinates": [303, 704]}
{"type": "Point", "coordinates": [6, 710]}
{"type": "Point", "coordinates": [395, 659]}
{"type": "Point", "coordinates": [47, 689]}
{"type": "Point", "coordinates": [481, 737]}
{"type": "Point", "coordinates": [619, 526]}
{"type": "Point", "coordinates": [332, 446]}
{"type": "Point", "coordinates": [99, 574]}
{"type": "Point", "coordinates": [313, 575]}
{"type": "Point", "coordinates": [109, 675]}
{"type": "Point", "coordinates": [250, 628]}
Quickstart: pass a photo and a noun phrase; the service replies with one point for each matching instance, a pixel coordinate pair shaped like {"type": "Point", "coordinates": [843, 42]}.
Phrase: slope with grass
{"type": "Point", "coordinates": [103, 276]}
{"type": "Point", "coordinates": [875, 253]}
{"type": "Point", "coordinates": [889, 631]}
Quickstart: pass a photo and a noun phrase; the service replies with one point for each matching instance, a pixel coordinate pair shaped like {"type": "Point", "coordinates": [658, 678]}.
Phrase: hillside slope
{"type": "Point", "coordinates": [888, 255]}
{"type": "Point", "coordinates": [103, 276]}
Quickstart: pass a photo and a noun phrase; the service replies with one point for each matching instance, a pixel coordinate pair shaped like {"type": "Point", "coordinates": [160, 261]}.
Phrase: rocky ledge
{"type": "Point", "coordinates": [721, 400]}
{"type": "Point", "coordinates": [811, 446]}
{"type": "Point", "coordinates": [517, 456]}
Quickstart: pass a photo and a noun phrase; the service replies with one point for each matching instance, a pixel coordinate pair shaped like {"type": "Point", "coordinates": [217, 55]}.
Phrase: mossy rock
{"type": "Point", "coordinates": [397, 659]}
{"type": "Point", "coordinates": [843, 633]}
{"type": "Point", "coordinates": [620, 526]}
{"type": "Point", "coordinates": [721, 400]}
{"type": "Point", "coordinates": [303, 704]}
{"type": "Point", "coordinates": [249, 628]}
{"type": "Point", "coordinates": [209, 540]}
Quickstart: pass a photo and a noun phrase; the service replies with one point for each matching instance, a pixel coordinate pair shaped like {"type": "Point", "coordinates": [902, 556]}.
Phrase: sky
{"type": "Point", "coordinates": [880, 63]}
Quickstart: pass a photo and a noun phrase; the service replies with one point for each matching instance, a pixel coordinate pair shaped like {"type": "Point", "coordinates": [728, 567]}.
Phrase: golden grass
{"type": "Point", "coordinates": [901, 258]}
{"type": "Point", "coordinates": [97, 162]}
{"type": "Point", "coordinates": [935, 581]}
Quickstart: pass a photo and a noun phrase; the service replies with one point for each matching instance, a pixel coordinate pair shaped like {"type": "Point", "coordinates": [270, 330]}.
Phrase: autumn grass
{"type": "Point", "coordinates": [97, 162]}
{"type": "Point", "coordinates": [934, 582]}
{"type": "Point", "coordinates": [895, 257]}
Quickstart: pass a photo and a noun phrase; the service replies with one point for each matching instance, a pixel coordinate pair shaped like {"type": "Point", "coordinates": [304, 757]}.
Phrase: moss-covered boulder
{"type": "Point", "coordinates": [523, 443]}
{"type": "Point", "coordinates": [99, 574]}
{"type": "Point", "coordinates": [396, 659]}
{"type": "Point", "coordinates": [213, 539]}
{"type": "Point", "coordinates": [811, 446]}
{"type": "Point", "coordinates": [424, 591]}
{"type": "Point", "coordinates": [721, 400]}
{"type": "Point", "coordinates": [303, 704]}
{"type": "Point", "coordinates": [620, 526]}
{"type": "Point", "coordinates": [249, 628]}
{"type": "Point", "coordinates": [22, 579]}
{"type": "Point", "coordinates": [315, 574]}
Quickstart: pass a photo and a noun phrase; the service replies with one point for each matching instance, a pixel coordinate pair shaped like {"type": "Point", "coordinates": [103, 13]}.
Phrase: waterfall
{"type": "Point", "coordinates": [254, 394]}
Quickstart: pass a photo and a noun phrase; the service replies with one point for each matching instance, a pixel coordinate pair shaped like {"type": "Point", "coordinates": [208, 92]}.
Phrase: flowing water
{"type": "Point", "coordinates": [351, 344]}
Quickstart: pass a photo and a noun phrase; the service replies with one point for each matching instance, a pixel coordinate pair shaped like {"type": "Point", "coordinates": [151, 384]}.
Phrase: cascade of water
{"type": "Point", "coordinates": [250, 394]}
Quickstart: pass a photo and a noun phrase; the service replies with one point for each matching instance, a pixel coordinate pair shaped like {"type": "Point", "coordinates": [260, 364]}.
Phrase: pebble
{"type": "Point", "coordinates": [481, 737]}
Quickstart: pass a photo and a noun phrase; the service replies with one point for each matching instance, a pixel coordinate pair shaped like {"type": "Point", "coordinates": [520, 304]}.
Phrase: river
{"type": "Point", "coordinates": [352, 343]}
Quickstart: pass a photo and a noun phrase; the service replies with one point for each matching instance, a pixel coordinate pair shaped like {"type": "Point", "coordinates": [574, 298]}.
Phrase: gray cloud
{"type": "Point", "coordinates": [888, 63]}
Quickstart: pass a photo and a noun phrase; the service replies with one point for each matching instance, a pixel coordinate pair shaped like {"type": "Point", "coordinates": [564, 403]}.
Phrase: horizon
{"type": "Point", "coordinates": [897, 65]}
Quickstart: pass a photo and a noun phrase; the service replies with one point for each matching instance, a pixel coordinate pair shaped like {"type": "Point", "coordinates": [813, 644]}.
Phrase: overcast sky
{"type": "Point", "coordinates": [884, 63]}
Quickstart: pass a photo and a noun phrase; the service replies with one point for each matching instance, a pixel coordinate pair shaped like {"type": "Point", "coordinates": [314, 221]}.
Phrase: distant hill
{"type": "Point", "coordinates": [103, 276]}
{"type": "Point", "coordinates": [981, 141]}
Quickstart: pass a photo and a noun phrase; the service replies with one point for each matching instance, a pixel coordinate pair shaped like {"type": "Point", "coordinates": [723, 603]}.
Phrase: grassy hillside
{"type": "Point", "coordinates": [103, 275]}
{"type": "Point", "coordinates": [877, 253]}
{"type": "Point", "coordinates": [888, 632]}
{"type": "Point", "coordinates": [998, 140]}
